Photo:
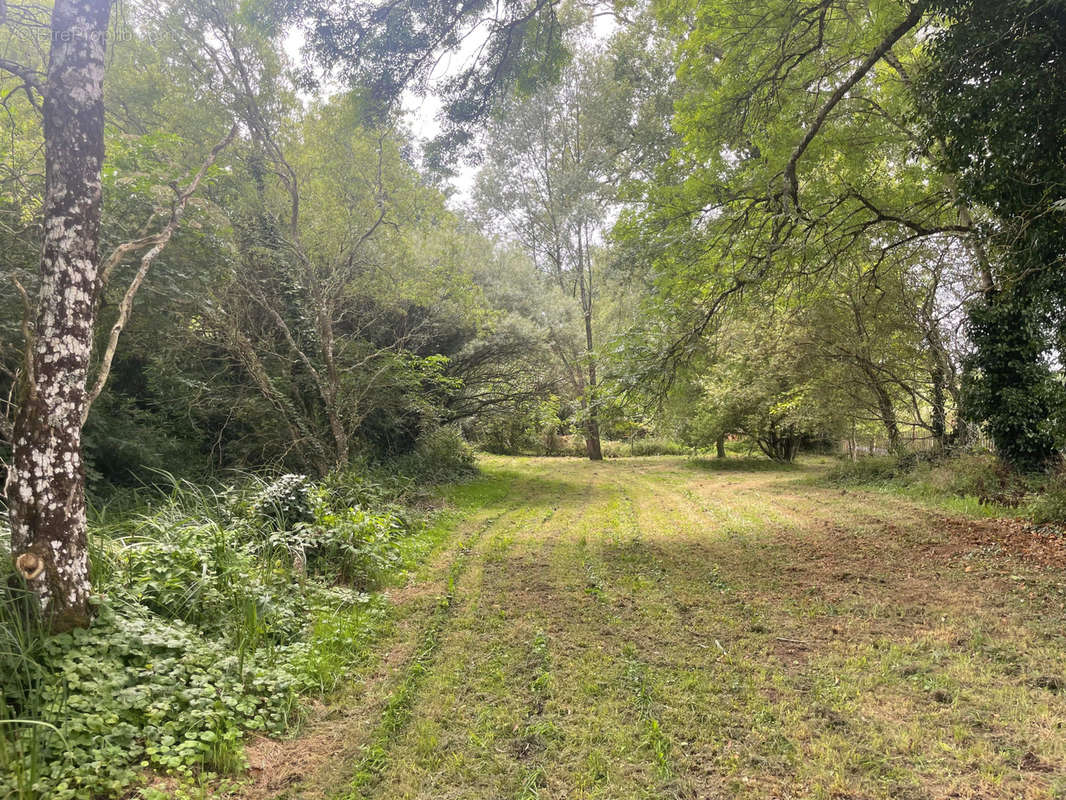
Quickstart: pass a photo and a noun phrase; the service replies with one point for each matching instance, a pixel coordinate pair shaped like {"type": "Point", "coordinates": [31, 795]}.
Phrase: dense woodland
{"type": "Point", "coordinates": [256, 300]}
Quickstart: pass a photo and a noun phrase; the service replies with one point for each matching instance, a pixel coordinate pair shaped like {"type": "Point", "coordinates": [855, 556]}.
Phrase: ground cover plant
{"type": "Point", "coordinates": [219, 612]}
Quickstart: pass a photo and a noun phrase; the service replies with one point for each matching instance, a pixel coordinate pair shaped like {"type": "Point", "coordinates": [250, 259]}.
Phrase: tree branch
{"type": "Point", "coordinates": [157, 242]}
{"type": "Point", "coordinates": [791, 188]}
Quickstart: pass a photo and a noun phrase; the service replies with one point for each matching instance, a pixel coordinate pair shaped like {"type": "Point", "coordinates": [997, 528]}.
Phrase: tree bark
{"type": "Point", "coordinates": [939, 404]}
{"type": "Point", "coordinates": [719, 445]}
{"type": "Point", "coordinates": [46, 480]}
{"type": "Point", "coordinates": [885, 409]}
{"type": "Point", "coordinates": [592, 437]}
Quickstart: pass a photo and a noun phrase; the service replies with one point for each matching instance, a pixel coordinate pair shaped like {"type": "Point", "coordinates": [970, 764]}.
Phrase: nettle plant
{"type": "Point", "coordinates": [284, 502]}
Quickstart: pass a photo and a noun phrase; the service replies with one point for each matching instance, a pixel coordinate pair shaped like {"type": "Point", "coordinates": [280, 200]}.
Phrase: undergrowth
{"type": "Point", "coordinates": [972, 483]}
{"type": "Point", "coordinates": [217, 610]}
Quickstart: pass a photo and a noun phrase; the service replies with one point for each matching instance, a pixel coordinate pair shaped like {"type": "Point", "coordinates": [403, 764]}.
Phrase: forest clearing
{"type": "Point", "coordinates": [663, 627]}
{"type": "Point", "coordinates": [517, 399]}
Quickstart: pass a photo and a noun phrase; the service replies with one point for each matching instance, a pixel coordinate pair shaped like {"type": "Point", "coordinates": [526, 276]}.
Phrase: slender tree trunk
{"type": "Point", "coordinates": [46, 481]}
{"type": "Point", "coordinates": [888, 418]}
{"type": "Point", "coordinates": [719, 445]}
{"type": "Point", "coordinates": [884, 409]}
{"type": "Point", "coordinates": [592, 438]}
{"type": "Point", "coordinates": [939, 403]}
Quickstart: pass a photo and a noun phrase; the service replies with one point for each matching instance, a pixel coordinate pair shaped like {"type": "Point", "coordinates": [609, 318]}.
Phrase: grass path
{"type": "Point", "coordinates": [660, 628]}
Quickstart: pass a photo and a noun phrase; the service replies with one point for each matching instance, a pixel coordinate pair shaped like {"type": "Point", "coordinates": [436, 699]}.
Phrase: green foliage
{"type": "Point", "coordinates": [1010, 387]}
{"type": "Point", "coordinates": [284, 502]}
{"type": "Point", "coordinates": [987, 484]}
{"type": "Point", "coordinates": [993, 98]}
{"type": "Point", "coordinates": [440, 455]}
{"type": "Point", "coordinates": [865, 471]}
{"type": "Point", "coordinates": [1050, 505]}
{"type": "Point", "coordinates": [763, 387]}
{"type": "Point", "coordinates": [134, 692]}
{"type": "Point", "coordinates": [388, 49]}
{"type": "Point", "coordinates": [358, 547]}
{"type": "Point", "coordinates": [219, 609]}
{"type": "Point", "coordinates": [644, 446]}
{"type": "Point", "coordinates": [525, 430]}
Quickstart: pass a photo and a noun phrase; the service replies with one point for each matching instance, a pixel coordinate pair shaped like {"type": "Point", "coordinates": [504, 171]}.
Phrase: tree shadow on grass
{"type": "Point", "coordinates": [501, 487]}
{"type": "Point", "coordinates": [743, 465]}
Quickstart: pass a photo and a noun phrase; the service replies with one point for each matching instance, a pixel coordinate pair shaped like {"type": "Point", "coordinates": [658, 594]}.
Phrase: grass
{"type": "Point", "coordinates": [650, 628]}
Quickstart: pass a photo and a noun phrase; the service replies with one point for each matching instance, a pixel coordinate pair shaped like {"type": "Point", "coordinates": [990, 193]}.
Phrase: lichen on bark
{"type": "Point", "coordinates": [46, 481]}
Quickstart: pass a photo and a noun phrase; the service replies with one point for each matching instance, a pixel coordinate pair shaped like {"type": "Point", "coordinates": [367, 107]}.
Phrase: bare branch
{"type": "Point", "coordinates": [157, 243]}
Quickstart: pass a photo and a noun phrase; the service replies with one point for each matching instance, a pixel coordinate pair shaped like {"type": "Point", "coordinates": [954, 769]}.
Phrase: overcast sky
{"type": "Point", "coordinates": [420, 113]}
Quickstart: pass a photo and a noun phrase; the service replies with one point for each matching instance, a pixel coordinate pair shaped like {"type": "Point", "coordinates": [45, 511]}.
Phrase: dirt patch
{"type": "Point", "coordinates": [794, 654]}
{"type": "Point", "coordinates": [1041, 545]}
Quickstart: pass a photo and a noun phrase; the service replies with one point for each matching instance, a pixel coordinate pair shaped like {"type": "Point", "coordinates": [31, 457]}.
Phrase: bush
{"type": "Point", "coordinates": [655, 446]}
{"type": "Point", "coordinates": [440, 455]}
{"type": "Point", "coordinates": [979, 476]}
{"type": "Point", "coordinates": [874, 470]}
{"type": "Point", "coordinates": [285, 501]}
{"type": "Point", "coordinates": [355, 546]}
{"type": "Point", "coordinates": [564, 445]}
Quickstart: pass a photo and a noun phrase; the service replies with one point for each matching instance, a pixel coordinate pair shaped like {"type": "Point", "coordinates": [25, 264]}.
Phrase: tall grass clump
{"type": "Point", "coordinates": [974, 482]}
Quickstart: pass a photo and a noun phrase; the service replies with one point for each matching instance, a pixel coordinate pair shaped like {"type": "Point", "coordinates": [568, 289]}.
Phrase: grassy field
{"type": "Point", "coordinates": [660, 628]}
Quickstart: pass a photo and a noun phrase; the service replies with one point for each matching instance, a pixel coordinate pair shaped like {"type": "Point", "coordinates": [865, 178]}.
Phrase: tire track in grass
{"type": "Point", "coordinates": [399, 705]}
{"type": "Point", "coordinates": [615, 570]}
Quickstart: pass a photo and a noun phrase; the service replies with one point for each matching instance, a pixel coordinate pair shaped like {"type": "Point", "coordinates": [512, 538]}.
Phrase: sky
{"type": "Point", "coordinates": [421, 112]}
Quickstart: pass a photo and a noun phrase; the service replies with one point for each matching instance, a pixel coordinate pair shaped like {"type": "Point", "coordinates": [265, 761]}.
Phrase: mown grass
{"type": "Point", "coordinates": [651, 628]}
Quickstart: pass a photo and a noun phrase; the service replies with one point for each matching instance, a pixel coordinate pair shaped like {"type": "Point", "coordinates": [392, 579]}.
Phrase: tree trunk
{"type": "Point", "coordinates": [592, 438]}
{"type": "Point", "coordinates": [939, 403]}
{"type": "Point", "coordinates": [719, 445]}
{"type": "Point", "coordinates": [46, 481]}
{"type": "Point", "coordinates": [592, 428]}
{"type": "Point", "coordinates": [885, 410]}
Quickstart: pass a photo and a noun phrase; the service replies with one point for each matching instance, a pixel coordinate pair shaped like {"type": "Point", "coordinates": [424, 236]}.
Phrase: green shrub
{"type": "Point", "coordinates": [656, 446]}
{"type": "Point", "coordinates": [285, 501]}
{"type": "Point", "coordinates": [364, 487]}
{"type": "Point", "coordinates": [1050, 505]}
{"type": "Point", "coordinates": [874, 470]}
{"type": "Point", "coordinates": [441, 455]}
{"type": "Point", "coordinates": [354, 545]}
{"type": "Point", "coordinates": [559, 445]}
{"type": "Point", "coordinates": [979, 477]}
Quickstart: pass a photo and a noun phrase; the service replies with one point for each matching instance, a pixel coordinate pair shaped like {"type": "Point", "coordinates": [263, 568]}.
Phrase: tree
{"type": "Point", "coordinates": [765, 385]}
{"type": "Point", "coordinates": [45, 484]}
{"type": "Point", "coordinates": [385, 48]}
{"type": "Point", "coordinates": [551, 182]}
{"type": "Point", "coordinates": [993, 99]}
{"type": "Point", "coordinates": [801, 183]}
